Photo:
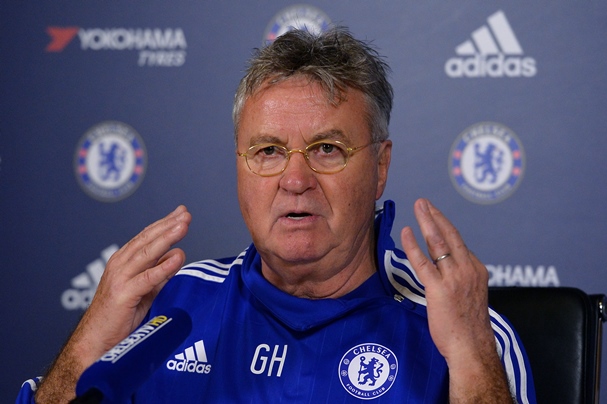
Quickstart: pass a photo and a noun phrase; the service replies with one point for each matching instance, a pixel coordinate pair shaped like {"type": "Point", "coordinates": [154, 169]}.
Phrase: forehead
{"type": "Point", "coordinates": [298, 108]}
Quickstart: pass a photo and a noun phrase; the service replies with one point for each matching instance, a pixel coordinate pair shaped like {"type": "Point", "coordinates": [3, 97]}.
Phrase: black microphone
{"type": "Point", "coordinates": [115, 376]}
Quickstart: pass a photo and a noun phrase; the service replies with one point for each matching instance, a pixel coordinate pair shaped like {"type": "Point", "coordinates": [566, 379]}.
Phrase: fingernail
{"type": "Point", "coordinates": [174, 260]}
{"type": "Point", "coordinates": [424, 206]}
{"type": "Point", "coordinates": [174, 212]}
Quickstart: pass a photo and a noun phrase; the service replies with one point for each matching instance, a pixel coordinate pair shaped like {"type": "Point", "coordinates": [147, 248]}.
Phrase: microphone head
{"type": "Point", "coordinates": [121, 370]}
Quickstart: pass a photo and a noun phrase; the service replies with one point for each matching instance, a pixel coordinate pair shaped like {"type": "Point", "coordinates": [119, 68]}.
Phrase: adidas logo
{"type": "Point", "coordinates": [493, 51]}
{"type": "Point", "coordinates": [85, 285]}
{"type": "Point", "coordinates": [192, 360]}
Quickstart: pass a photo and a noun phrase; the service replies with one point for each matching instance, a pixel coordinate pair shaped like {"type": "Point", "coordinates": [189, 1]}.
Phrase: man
{"type": "Point", "coordinates": [321, 307]}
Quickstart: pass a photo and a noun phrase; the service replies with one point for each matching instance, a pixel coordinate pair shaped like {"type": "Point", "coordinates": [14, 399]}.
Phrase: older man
{"type": "Point", "coordinates": [321, 307]}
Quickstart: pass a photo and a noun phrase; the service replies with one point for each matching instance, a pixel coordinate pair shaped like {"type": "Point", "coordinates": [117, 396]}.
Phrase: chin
{"type": "Point", "coordinates": [298, 254]}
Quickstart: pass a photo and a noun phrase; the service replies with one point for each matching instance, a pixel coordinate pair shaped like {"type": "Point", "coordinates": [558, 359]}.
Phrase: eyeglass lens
{"type": "Point", "coordinates": [324, 157]}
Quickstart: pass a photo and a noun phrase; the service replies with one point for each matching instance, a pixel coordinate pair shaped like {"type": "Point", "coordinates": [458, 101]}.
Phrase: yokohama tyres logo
{"type": "Point", "coordinates": [156, 46]}
{"type": "Point", "coordinates": [493, 51]}
{"type": "Point", "coordinates": [60, 37]}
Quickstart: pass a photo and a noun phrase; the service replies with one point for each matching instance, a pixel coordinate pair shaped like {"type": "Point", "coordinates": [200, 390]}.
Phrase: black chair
{"type": "Point", "coordinates": [561, 329]}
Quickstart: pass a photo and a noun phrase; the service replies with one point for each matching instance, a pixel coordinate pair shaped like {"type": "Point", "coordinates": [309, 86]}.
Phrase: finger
{"type": "Point", "coordinates": [431, 232]}
{"type": "Point", "coordinates": [442, 238]}
{"type": "Point", "coordinates": [152, 231]}
{"type": "Point", "coordinates": [145, 249]}
{"type": "Point", "coordinates": [482, 274]}
{"type": "Point", "coordinates": [423, 267]}
{"type": "Point", "coordinates": [153, 279]}
{"type": "Point", "coordinates": [158, 242]}
{"type": "Point", "coordinates": [449, 232]}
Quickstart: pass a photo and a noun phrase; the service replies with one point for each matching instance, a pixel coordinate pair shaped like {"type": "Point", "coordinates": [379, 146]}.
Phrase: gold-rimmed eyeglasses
{"type": "Point", "coordinates": [324, 157]}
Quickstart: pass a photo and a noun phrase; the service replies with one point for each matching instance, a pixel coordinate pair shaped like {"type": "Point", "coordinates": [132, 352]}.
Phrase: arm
{"type": "Point", "coordinates": [133, 277]}
{"type": "Point", "coordinates": [458, 313]}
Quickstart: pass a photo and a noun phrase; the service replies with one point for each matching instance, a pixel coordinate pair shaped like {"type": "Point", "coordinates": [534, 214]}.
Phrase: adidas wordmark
{"type": "Point", "coordinates": [493, 51]}
{"type": "Point", "coordinates": [192, 360]}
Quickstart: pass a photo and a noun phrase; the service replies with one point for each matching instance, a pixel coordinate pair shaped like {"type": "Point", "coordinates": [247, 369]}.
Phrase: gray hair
{"type": "Point", "coordinates": [335, 60]}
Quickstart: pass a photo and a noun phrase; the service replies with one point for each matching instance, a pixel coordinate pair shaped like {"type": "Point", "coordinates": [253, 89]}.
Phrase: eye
{"type": "Point", "coordinates": [327, 148]}
{"type": "Point", "coordinates": [323, 149]}
{"type": "Point", "coordinates": [268, 150]}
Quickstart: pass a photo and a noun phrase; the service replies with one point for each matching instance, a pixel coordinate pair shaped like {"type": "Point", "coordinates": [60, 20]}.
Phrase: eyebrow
{"type": "Point", "coordinates": [261, 139]}
{"type": "Point", "coordinates": [333, 134]}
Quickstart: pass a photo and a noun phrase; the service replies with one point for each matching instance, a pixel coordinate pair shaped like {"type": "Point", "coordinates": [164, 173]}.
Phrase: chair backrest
{"type": "Point", "coordinates": [561, 329]}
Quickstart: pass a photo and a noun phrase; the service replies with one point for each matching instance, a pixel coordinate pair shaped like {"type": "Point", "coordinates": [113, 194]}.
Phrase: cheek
{"type": "Point", "coordinates": [254, 197]}
{"type": "Point", "coordinates": [352, 197]}
{"type": "Point", "coordinates": [362, 187]}
{"type": "Point", "coordinates": [245, 194]}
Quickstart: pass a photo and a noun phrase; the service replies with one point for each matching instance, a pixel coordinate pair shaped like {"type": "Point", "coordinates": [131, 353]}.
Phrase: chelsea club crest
{"type": "Point", "coordinates": [300, 16]}
{"type": "Point", "coordinates": [110, 161]}
{"type": "Point", "coordinates": [486, 163]}
{"type": "Point", "coordinates": [367, 371]}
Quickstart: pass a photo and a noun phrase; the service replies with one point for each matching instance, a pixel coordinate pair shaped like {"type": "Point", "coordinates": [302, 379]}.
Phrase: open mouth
{"type": "Point", "coordinates": [298, 215]}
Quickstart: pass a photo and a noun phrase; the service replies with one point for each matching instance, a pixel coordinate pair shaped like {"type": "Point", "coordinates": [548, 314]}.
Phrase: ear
{"type": "Point", "coordinates": [383, 164]}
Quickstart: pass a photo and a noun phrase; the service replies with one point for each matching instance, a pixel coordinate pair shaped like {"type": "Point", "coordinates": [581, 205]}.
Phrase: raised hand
{"type": "Point", "coordinates": [456, 285]}
{"type": "Point", "coordinates": [133, 277]}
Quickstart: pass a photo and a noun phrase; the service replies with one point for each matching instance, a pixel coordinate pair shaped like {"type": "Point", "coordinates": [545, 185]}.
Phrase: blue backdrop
{"type": "Point", "coordinates": [113, 114]}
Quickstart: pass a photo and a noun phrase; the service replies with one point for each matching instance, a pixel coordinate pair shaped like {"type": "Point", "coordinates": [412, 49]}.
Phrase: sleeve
{"type": "Point", "coordinates": [28, 389]}
{"type": "Point", "coordinates": [399, 275]}
{"type": "Point", "coordinates": [514, 359]}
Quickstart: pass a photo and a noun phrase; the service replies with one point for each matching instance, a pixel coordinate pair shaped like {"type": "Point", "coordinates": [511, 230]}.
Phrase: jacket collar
{"type": "Point", "coordinates": [303, 314]}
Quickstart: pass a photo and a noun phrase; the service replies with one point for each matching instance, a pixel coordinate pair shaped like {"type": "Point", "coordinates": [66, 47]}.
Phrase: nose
{"type": "Point", "coordinates": [298, 177]}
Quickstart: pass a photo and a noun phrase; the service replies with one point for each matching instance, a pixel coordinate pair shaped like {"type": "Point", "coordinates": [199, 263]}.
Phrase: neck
{"type": "Point", "coordinates": [321, 279]}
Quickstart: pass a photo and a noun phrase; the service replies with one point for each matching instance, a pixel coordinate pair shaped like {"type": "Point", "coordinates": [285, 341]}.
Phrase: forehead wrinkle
{"type": "Point", "coordinates": [333, 134]}
{"type": "Point", "coordinates": [263, 138]}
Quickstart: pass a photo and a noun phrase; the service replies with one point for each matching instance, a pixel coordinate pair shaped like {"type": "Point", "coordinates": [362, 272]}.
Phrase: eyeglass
{"type": "Point", "coordinates": [324, 157]}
